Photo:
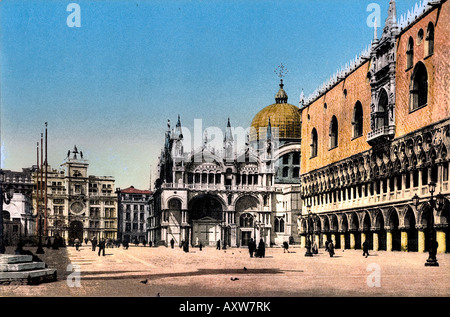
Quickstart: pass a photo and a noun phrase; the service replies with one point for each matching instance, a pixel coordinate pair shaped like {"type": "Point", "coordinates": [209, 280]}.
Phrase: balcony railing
{"type": "Point", "coordinates": [380, 133]}
{"type": "Point", "coordinates": [217, 187]}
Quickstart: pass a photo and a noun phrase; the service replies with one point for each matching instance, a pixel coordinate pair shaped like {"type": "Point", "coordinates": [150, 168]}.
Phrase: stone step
{"type": "Point", "coordinates": [13, 258]}
{"type": "Point", "coordinates": [29, 277]}
{"type": "Point", "coordinates": [25, 266]}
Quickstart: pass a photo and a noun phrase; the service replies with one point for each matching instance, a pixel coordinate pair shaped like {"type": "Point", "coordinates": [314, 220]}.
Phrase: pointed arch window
{"type": "Point", "coordinates": [382, 118]}
{"type": "Point", "coordinates": [286, 171]}
{"type": "Point", "coordinates": [279, 224]}
{"type": "Point", "coordinates": [296, 172]}
{"type": "Point", "coordinates": [410, 53]}
{"type": "Point", "coordinates": [333, 133]}
{"type": "Point", "coordinates": [429, 40]}
{"type": "Point", "coordinates": [314, 143]}
{"type": "Point", "coordinates": [419, 87]}
{"type": "Point", "coordinates": [357, 120]}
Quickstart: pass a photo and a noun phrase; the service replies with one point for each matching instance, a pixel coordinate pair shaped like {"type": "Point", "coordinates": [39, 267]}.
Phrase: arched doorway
{"type": "Point", "coordinates": [381, 231]}
{"type": "Point", "coordinates": [334, 230]}
{"type": "Point", "coordinates": [426, 214]}
{"type": "Point", "coordinates": [344, 229]}
{"type": "Point", "coordinates": [173, 218]}
{"type": "Point", "coordinates": [394, 231]}
{"type": "Point", "coordinates": [205, 215]}
{"type": "Point", "coordinates": [410, 224]}
{"type": "Point", "coordinates": [366, 230]}
{"type": "Point", "coordinates": [246, 208]}
{"type": "Point", "coordinates": [353, 228]}
{"type": "Point", "coordinates": [76, 230]}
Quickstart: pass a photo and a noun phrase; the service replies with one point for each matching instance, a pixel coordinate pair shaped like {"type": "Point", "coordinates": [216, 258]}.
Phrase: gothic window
{"type": "Point", "coordinates": [286, 171]}
{"type": "Point", "coordinates": [419, 87]}
{"type": "Point", "coordinates": [333, 133]}
{"type": "Point", "coordinates": [296, 159]}
{"type": "Point", "coordinates": [286, 159]}
{"type": "Point", "coordinates": [429, 40]}
{"type": "Point", "coordinates": [246, 221]}
{"type": "Point", "coordinates": [296, 172]}
{"type": "Point", "coordinates": [410, 53]}
{"type": "Point", "coordinates": [357, 120]}
{"type": "Point", "coordinates": [279, 224]}
{"type": "Point", "coordinates": [314, 143]}
{"type": "Point", "coordinates": [382, 119]}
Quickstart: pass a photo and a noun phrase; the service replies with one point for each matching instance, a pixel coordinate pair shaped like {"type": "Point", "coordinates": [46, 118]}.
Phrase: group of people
{"type": "Point", "coordinates": [260, 251]}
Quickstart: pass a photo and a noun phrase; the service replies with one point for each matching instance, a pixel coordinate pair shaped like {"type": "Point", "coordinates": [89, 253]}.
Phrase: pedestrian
{"type": "Point", "coordinates": [56, 242]}
{"type": "Point", "coordinates": [330, 248]}
{"type": "Point", "coordinates": [172, 243]}
{"type": "Point", "coordinates": [366, 248]}
{"type": "Point", "coordinates": [285, 247]}
{"type": "Point", "coordinates": [201, 246]}
{"type": "Point", "coordinates": [101, 247]}
{"type": "Point", "coordinates": [144, 242]}
{"type": "Point", "coordinates": [94, 243]}
{"type": "Point", "coordinates": [19, 249]}
{"type": "Point", "coordinates": [48, 242]}
{"type": "Point", "coordinates": [218, 245]}
{"type": "Point", "coordinates": [262, 248]}
{"type": "Point", "coordinates": [77, 244]}
{"type": "Point", "coordinates": [326, 245]}
{"type": "Point", "coordinates": [251, 247]}
{"type": "Point", "coordinates": [315, 249]}
{"type": "Point", "coordinates": [85, 240]}
{"type": "Point", "coordinates": [150, 243]}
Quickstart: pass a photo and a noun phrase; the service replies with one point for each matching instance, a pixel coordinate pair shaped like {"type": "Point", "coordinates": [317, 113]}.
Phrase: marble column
{"type": "Point", "coordinates": [404, 240]}
{"type": "Point", "coordinates": [342, 241]}
{"type": "Point", "coordinates": [420, 240]}
{"type": "Point", "coordinates": [352, 241]}
{"type": "Point", "coordinates": [376, 243]}
{"type": "Point", "coordinates": [303, 241]}
{"type": "Point", "coordinates": [440, 238]}
{"type": "Point", "coordinates": [388, 240]}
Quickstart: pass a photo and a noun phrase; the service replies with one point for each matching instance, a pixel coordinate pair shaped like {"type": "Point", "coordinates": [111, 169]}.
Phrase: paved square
{"type": "Point", "coordinates": [221, 273]}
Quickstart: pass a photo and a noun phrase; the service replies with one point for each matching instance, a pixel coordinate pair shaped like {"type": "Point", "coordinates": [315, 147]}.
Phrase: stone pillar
{"type": "Point", "coordinates": [440, 238]}
{"type": "Point", "coordinates": [324, 239]}
{"type": "Point", "coordinates": [376, 244]}
{"type": "Point", "coordinates": [420, 241]}
{"type": "Point", "coordinates": [333, 238]}
{"type": "Point", "coordinates": [404, 240]}
{"type": "Point", "coordinates": [352, 240]}
{"type": "Point", "coordinates": [388, 241]}
{"type": "Point", "coordinates": [302, 241]}
{"type": "Point", "coordinates": [317, 239]}
{"type": "Point", "coordinates": [342, 237]}
{"type": "Point", "coordinates": [363, 238]}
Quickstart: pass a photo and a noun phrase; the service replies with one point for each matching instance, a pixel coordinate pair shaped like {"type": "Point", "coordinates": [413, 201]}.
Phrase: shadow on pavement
{"type": "Point", "coordinates": [200, 272]}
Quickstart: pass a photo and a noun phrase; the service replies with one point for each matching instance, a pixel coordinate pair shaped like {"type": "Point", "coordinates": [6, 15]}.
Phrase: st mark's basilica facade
{"type": "Point", "coordinates": [353, 162]}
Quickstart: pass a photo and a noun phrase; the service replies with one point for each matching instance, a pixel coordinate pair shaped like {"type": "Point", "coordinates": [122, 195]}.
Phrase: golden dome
{"type": "Point", "coordinates": [283, 117]}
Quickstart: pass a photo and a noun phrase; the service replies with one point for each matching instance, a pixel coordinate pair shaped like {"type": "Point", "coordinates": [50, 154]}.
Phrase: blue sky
{"type": "Point", "coordinates": [110, 86]}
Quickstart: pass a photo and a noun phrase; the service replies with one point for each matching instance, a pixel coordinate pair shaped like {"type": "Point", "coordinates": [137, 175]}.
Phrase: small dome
{"type": "Point", "coordinates": [283, 117]}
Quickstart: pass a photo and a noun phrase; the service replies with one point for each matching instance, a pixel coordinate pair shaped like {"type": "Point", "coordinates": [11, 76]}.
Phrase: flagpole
{"type": "Point", "coordinates": [46, 185]}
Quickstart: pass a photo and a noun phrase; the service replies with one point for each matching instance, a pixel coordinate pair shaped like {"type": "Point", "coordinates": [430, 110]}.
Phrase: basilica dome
{"type": "Point", "coordinates": [284, 118]}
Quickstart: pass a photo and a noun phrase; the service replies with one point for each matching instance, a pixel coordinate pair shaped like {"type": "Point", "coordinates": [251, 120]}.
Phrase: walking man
{"type": "Point", "coordinates": [330, 248]}
{"type": "Point", "coordinates": [366, 248]}
{"type": "Point", "coordinates": [101, 247]}
{"type": "Point", "coordinates": [251, 247]}
{"type": "Point", "coordinates": [94, 243]}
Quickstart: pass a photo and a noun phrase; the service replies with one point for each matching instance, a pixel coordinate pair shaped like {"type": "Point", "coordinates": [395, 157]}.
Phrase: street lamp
{"type": "Point", "coordinates": [437, 204]}
{"type": "Point", "coordinates": [310, 231]}
{"type": "Point", "coordinates": [5, 197]}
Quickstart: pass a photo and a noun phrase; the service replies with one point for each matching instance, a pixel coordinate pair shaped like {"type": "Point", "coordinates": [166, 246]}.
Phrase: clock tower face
{"type": "Point", "coordinates": [77, 207]}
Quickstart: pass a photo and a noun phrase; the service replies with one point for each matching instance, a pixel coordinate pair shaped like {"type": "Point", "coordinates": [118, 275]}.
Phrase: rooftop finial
{"type": "Point", "coordinates": [281, 96]}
